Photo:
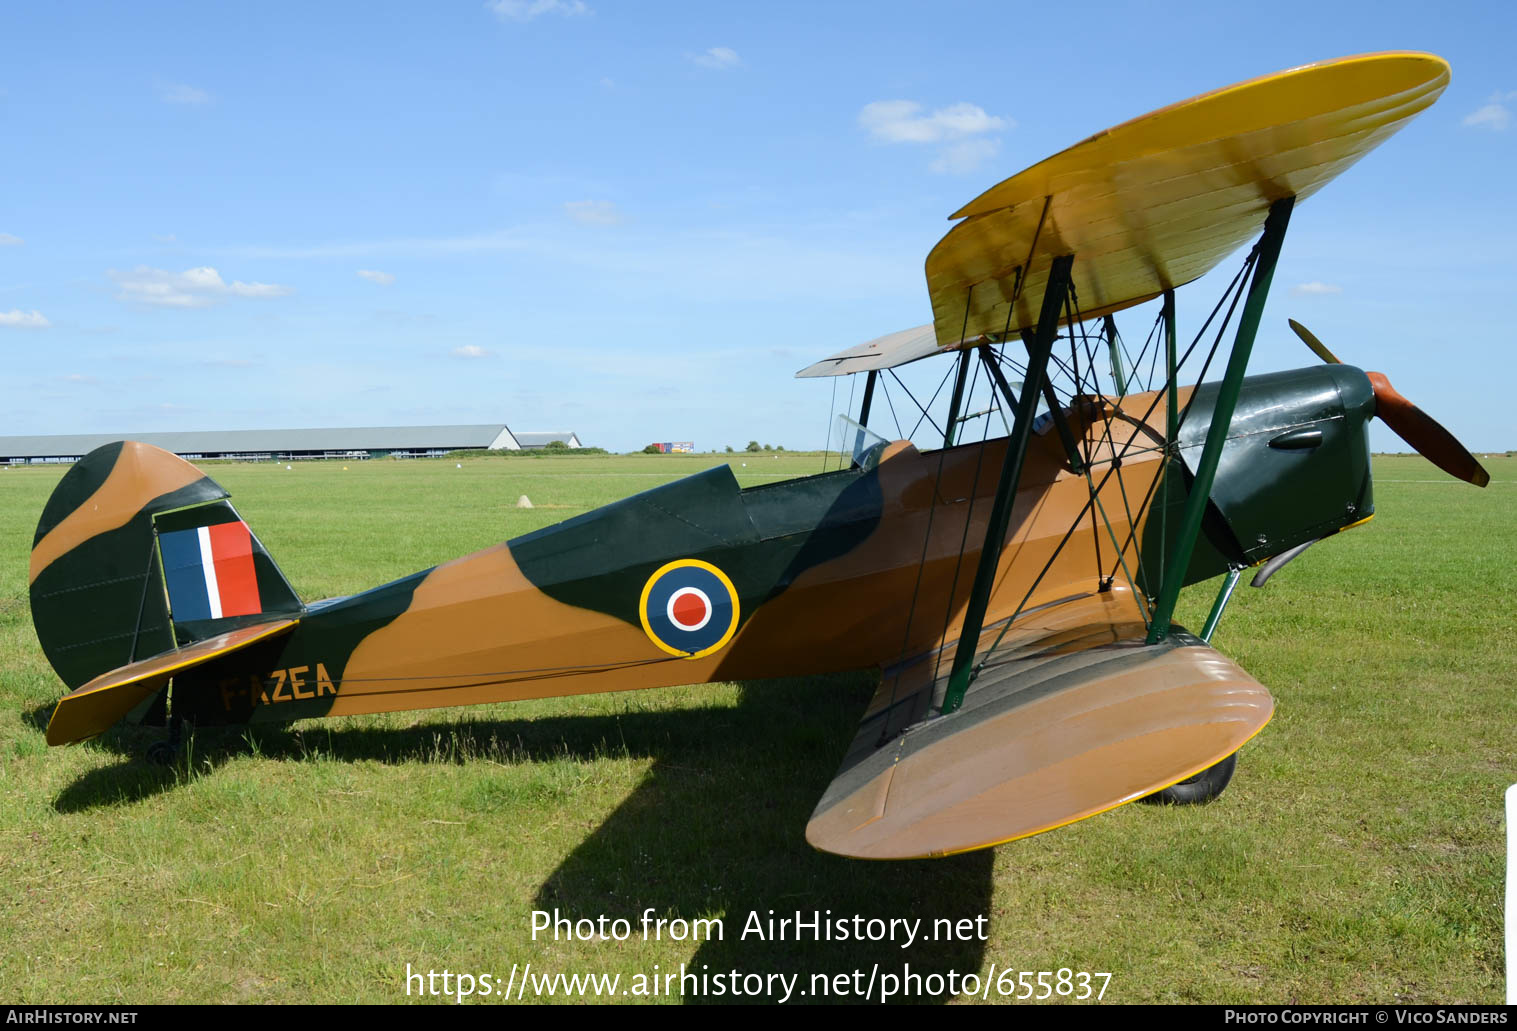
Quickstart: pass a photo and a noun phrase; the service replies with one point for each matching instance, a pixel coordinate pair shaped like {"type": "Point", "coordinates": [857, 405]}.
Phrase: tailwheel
{"type": "Point", "coordinates": [1197, 790]}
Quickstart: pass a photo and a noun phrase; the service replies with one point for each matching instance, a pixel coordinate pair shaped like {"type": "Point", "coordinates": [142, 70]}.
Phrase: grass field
{"type": "Point", "coordinates": [1358, 854]}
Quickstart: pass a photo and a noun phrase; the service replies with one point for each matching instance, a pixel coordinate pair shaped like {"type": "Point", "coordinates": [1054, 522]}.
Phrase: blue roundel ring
{"type": "Point", "coordinates": [689, 608]}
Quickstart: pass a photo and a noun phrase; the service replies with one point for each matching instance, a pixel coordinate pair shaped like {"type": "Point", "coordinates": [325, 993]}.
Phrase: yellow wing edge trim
{"type": "Point", "coordinates": [1083, 816]}
{"type": "Point", "coordinates": [158, 668]}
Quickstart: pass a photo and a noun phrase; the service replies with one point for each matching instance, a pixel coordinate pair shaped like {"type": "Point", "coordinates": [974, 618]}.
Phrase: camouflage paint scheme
{"type": "Point", "coordinates": [869, 567]}
{"type": "Point", "coordinates": [806, 557]}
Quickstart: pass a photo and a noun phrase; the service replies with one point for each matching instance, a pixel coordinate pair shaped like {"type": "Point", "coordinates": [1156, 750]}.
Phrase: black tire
{"type": "Point", "coordinates": [161, 753]}
{"type": "Point", "coordinates": [1200, 789]}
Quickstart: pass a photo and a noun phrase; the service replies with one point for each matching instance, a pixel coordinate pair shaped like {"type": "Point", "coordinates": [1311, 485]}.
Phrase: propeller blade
{"type": "Point", "coordinates": [1423, 433]}
{"type": "Point", "coordinates": [1310, 340]}
{"type": "Point", "coordinates": [1409, 422]}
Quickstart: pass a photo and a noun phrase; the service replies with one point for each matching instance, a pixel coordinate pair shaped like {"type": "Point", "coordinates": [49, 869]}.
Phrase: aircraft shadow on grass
{"type": "Point", "coordinates": [714, 828]}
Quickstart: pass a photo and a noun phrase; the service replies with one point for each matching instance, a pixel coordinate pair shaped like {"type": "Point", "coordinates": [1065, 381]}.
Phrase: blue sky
{"type": "Point", "coordinates": [638, 220]}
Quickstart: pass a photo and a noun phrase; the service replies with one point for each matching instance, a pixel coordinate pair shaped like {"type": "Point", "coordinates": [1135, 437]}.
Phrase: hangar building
{"type": "Point", "coordinates": [532, 441]}
{"type": "Point", "coordinates": [259, 445]}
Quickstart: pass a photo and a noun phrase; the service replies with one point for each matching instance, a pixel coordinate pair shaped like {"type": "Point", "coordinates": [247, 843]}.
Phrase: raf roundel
{"type": "Point", "coordinates": [689, 608]}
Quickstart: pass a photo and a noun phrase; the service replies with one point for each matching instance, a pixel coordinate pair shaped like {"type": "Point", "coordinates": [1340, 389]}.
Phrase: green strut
{"type": "Point", "coordinates": [1172, 413]}
{"type": "Point", "coordinates": [869, 381]}
{"type": "Point", "coordinates": [1171, 419]}
{"type": "Point", "coordinates": [1006, 488]}
{"type": "Point", "coordinates": [1114, 346]}
{"type": "Point", "coordinates": [1223, 597]}
{"type": "Point", "coordinates": [957, 400]}
{"type": "Point", "coordinates": [1216, 434]}
{"type": "Point", "coordinates": [1007, 394]}
{"type": "Point", "coordinates": [1056, 413]}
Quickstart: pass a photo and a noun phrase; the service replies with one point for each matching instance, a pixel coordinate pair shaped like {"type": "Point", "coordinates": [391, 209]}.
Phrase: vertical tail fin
{"type": "Point", "coordinates": [137, 552]}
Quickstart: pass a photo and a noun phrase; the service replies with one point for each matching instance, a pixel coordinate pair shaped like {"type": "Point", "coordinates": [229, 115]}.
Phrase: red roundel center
{"type": "Point", "coordinates": [689, 609]}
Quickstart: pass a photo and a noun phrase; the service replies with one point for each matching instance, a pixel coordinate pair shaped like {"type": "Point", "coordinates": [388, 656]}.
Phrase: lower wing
{"type": "Point", "coordinates": [1072, 715]}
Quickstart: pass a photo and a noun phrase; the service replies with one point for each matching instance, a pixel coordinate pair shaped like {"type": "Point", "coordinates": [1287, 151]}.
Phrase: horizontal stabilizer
{"type": "Point", "coordinates": [99, 704]}
{"type": "Point", "coordinates": [1058, 727]}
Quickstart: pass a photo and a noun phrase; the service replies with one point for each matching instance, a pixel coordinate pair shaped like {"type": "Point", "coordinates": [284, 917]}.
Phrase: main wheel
{"type": "Point", "coordinates": [1203, 787]}
{"type": "Point", "coordinates": [161, 753]}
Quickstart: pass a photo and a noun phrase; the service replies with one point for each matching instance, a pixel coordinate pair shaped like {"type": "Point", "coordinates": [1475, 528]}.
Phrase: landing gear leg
{"type": "Point", "coordinates": [162, 753]}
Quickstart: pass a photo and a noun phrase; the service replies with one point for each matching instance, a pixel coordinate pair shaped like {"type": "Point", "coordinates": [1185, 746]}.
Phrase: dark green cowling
{"type": "Point", "coordinates": [1295, 468]}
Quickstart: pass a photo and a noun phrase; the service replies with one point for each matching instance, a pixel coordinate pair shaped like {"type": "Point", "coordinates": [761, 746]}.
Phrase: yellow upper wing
{"type": "Point", "coordinates": [1158, 201]}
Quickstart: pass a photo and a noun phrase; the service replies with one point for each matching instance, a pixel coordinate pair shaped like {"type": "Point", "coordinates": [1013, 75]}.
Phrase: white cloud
{"type": "Point", "coordinates": [469, 351]}
{"type": "Point", "coordinates": [526, 10]}
{"type": "Point", "coordinates": [593, 212]}
{"type": "Point", "coordinates": [192, 288]}
{"type": "Point", "coordinates": [7, 240]}
{"type": "Point", "coordinates": [965, 156]}
{"type": "Point", "coordinates": [1495, 115]}
{"type": "Point", "coordinates": [1316, 288]}
{"type": "Point", "coordinates": [901, 121]}
{"type": "Point", "coordinates": [717, 57]}
{"type": "Point", "coordinates": [18, 319]}
{"type": "Point", "coordinates": [179, 93]}
{"type": "Point", "coordinates": [374, 276]}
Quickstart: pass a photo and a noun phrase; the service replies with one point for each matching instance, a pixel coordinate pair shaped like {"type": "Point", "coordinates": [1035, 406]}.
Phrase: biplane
{"type": "Point", "coordinates": [1016, 593]}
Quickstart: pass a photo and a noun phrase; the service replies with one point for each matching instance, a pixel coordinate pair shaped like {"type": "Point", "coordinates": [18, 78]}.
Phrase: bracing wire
{"type": "Point", "coordinates": [885, 389]}
{"type": "Point", "coordinates": [827, 439]}
{"type": "Point", "coordinates": [852, 382]}
{"type": "Point", "coordinates": [941, 383]}
{"type": "Point", "coordinates": [1232, 292]}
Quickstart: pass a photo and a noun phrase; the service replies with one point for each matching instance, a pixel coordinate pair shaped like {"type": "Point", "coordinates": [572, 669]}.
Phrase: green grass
{"type": "Point", "coordinates": [1357, 855]}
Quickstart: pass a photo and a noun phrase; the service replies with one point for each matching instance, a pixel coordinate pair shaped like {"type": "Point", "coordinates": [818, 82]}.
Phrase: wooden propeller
{"type": "Point", "coordinates": [1409, 422]}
